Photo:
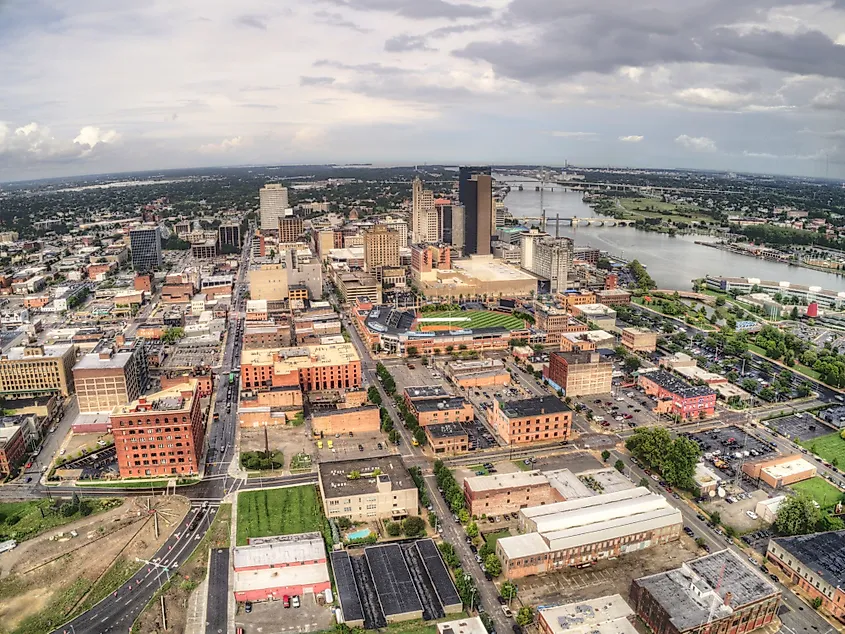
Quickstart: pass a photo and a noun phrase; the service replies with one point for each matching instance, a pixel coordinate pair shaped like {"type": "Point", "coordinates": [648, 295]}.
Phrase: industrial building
{"type": "Point", "coordinates": [676, 397]}
{"type": "Point", "coordinates": [605, 615]}
{"type": "Point", "coordinates": [532, 420]}
{"type": "Point", "coordinates": [716, 593]}
{"type": "Point", "coordinates": [269, 568]}
{"type": "Point", "coordinates": [107, 378]}
{"type": "Point", "coordinates": [478, 373]}
{"type": "Point", "coordinates": [639, 339]}
{"type": "Point", "coordinates": [352, 420]}
{"type": "Point", "coordinates": [36, 370]}
{"type": "Point", "coordinates": [585, 530]}
{"type": "Point", "coordinates": [508, 492]}
{"type": "Point", "coordinates": [781, 471]}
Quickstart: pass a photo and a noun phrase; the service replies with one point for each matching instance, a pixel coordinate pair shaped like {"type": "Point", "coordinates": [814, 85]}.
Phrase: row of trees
{"type": "Point", "coordinates": [643, 279]}
{"type": "Point", "coordinates": [410, 420]}
{"type": "Point", "coordinates": [675, 459]}
{"type": "Point", "coordinates": [452, 491]}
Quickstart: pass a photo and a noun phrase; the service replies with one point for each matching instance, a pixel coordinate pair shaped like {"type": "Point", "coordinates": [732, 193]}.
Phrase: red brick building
{"type": "Point", "coordinates": [161, 434]}
{"type": "Point", "coordinates": [329, 367]}
{"type": "Point", "coordinates": [677, 397]}
{"type": "Point", "coordinates": [12, 448]}
{"type": "Point", "coordinates": [508, 492]}
{"type": "Point", "coordinates": [532, 420]}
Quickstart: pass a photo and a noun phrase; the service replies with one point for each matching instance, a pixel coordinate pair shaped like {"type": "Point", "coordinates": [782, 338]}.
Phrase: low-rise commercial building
{"type": "Point", "coordinates": [586, 530]}
{"type": "Point", "coordinates": [532, 420]}
{"type": "Point", "coordinates": [639, 339]}
{"type": "Point", "coordinates": [719, 592]}
{"type": "Point", "coordinates": [469, 625]}
{"type": "Point", "coordinates": [677, 397]}
{"type": "Point", "coordinates": [580, 373]}
{"type": "Point", "coordinates": [767, 510]}
{"type": "Point", "coordinates": [613, 297]}
{"type": "Point", "coordinates": [161, 434]}
{"type": "Point", "coordinates": [352, 420]}
{"type": "Point", "coordinates": [508, 492]}
{"type": "Point", "coordinates": [430, 411]}
{"type": "Point", "coordinates": [447, 438]}
{"type": "Point", "coordinates": [781, 471]}
{"type": "Point", "coordinates": [478, 373]}
{"type": "Point", "coordinates": [599, 314]}
{"type": "Point", "coordinates": [368, 489]}
{"type": "Point", "coordinates": [266, 335]}
{"type": "Point", "coordinates": [12, 448]}
{"type": "Point", "coordinates": [605, 615]}
{"type": "Point", "coordinates": [814, 563]}
{"type": "Point", "coordinates": [556, 322]}
{"type": "Point", "coordinates": [421, 392]}
{"type": "Point", "coordinates": [270, 568]}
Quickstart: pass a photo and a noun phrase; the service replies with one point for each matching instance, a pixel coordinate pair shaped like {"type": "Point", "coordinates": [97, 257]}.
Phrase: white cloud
{"type": "Point", "coordinates": [93, 136]}
{"type": "Point", "coordinates": [696, 143]}
{"type": "Point", "coordinates": [632, 138]}
{"type": "Point", "coordinates": [573, 135]}
{"type": "Point", "coordinates": [225, 145]}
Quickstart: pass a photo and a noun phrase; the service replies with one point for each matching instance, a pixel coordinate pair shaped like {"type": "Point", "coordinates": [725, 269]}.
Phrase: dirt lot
{"type": "Point", "coordinates": [734, 514]}
{"type": "Point", "coordinates": [289, 440]}
{"type": "Point", "coordinates": [606, 577]}
{"type": "Point", "coordinates": [37, 586]}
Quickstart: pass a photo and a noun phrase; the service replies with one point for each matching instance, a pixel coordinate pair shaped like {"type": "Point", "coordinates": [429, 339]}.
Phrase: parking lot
{"type": "Point", "coordinates": [799, 426]}
{"type": "Point", "coordinates": [351, 447]}
{"type": "Point", "coordinates": [576, 462]}
{"type": "Point", "coordinates": [272, 616]}
{"type": "Point", "coordinates": [627, 403]}
{"type": "Point", "coordinates": [735, 514]}
{"type": "Point", "coordinates": [727, 448]}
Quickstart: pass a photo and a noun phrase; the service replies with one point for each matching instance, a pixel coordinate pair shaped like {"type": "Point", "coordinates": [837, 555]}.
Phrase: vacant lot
{"type": "Point", "coordinates": [287, 439]}
{"type": "Point", "coordinates": [820, 490]}
{"type": "Point", "coordinates": [473, 319]}
{"type": "Point", "coordinates": [278, 512]}
{"type": "Point", "coordinates": [25, 520]}
{"type": "Point", "coordinates": [830, 447]}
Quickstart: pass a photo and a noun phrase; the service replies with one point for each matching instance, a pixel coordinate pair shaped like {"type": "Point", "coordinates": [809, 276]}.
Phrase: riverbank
{"type": "Point", "coordinates": [731, 248]}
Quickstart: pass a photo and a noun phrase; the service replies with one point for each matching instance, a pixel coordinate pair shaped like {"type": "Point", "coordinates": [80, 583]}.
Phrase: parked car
{"type": "Point", "coordinates": [507, 611]}
{"type": "Point", "coordinates": [286, 601]}
{"type": "Point", "coordinates": [248, 607]}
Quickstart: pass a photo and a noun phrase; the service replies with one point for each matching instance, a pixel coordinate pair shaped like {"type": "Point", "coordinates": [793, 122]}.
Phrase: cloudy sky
{"type": "Point", "coordinates": [89, 86]}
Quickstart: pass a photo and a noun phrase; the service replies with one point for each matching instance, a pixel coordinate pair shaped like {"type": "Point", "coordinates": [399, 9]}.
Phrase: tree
{"type": "Point", "coordinates": [794, 313]}
{"type": "Point", "coordinates": [493, 565]}
{"type": "Point", "coordinates": [797, 515]}
{"type": "Point", "coordinates": [472, 530]}
{"type": "Point", "coordinates": [394, 529]}
{"type": "Point", "coordinates": [644, 483]}
{"type": "Point", "coordinates": [605, 455]}
{"type": "Point", "coordinates": [344, 523]}
{"type": "Point", "coordinates": [413, 526]}
{"type": "Point", "coordinates": [508, 590]}
{"type": "Point", "coordinates": [716, 517]}
{"type": "Point", "coordinates": [419, 436]}
{"type": "Point", "coordinates": [463, 516]}
{"type": "Point", "coordinates": [699, 541]}
{"type": "Point", "coordinates": [413, 351]}
{"type": "Point", "coordinates": [172, 335]}
{"type": "Point", "coordinates": [393, 436]}
{"type": "Point", "coordinates": [373, 395]}
{"type": "Point", "coordinates": [619, 466]}
{"type": "Point", "coordinates": [525, 616]}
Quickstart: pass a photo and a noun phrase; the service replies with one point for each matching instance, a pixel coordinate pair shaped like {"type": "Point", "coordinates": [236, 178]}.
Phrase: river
{"type": "Point", "coordinates": [672, 262]}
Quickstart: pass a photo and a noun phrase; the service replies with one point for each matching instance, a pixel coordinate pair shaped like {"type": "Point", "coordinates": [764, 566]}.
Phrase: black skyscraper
{"type": "Point", "coordinates": [468, 193]}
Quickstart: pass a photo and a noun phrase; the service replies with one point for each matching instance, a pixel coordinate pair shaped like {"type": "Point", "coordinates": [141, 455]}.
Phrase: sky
{"type": "Point", "coordinates": [92, 86]}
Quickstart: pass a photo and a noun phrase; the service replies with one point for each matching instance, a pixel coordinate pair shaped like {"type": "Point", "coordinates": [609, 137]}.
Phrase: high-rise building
{"type": "Point", "coordinates": [290, 228]}
{"type": "Point", "coordinates": [107, 378]}
{"type": "Point", "coordinates": [274, 201]}
{"type": "Point", "coordinates": [229, 235]}
{"type": "Point", "coordinates": [553, 260]}
{"type": "Point", "coordinates": [458, 225]}
{"type": "Point", "coordinates": [399, 226]}
{"type": "Point", "coordinates": [424, 219]}
{"type": "Point", "coordinates": [145, 243]}
{"type": "Point", "coordinates": [381, 248]}
{"type": "Point", "coordinates": [475, 190]}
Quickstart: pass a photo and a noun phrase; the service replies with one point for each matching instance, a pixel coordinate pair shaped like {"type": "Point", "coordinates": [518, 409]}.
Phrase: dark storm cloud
{"type": "Point", "coordinates": [579, 36]}
{"type": "Point", "coordinates": [420, 9]}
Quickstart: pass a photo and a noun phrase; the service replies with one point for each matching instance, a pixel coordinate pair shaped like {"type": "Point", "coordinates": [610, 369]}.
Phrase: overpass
{"type": "Point", "coordinates": [575, 221]}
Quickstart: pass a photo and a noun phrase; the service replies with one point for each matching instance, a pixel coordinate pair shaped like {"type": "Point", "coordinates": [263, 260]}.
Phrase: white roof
{"type": "Point", "coordinates": [280, 577]}
{"type": "Point", "coordinates": [506, 481]}
{"type": "Point", "coordinates": [602, 513]}
{"type": "Point", "coordinates": [272, 552]}
{"type": "Point", "coordinates": [470, 625]}
{"type": "Point", "coordinates": [568, 485]}
{"type": "Point", "coordinates": [596, 500]}
{"type": "Point", "coordinates": [786, 469]}
{"type": "Point", "coordinates": [772, 503]}
{"type": "Point", "coordinates": [704, 475]}
{"type": "Point", "coordinates": [612, 529]}
{"type": "Point", "coordinates": [605, 615]}
{"type": "Point", "coordinates": [523, 545]}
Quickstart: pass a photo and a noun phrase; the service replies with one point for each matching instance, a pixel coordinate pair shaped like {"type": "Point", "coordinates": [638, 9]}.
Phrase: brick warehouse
{"type": "Point", "coordinates": [508, 492]}
{"type": "Point", "coordinates": [532, 420]}
{"type": "Point", "coordinates": [677, 397]}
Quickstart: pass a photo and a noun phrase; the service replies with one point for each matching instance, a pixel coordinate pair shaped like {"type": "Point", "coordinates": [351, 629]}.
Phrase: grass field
{"type": "Point", "coordinates": [492, 538]}
{"type": "Point", "coordinates": [651, 208]}
{"type": "Point", "coordinates": [278, 512]}
{"type": "Point", "coordinates": [25, 520]}
{"type": "Point", "coordinates": [820, 490]}
{"type": "Point", "coordinates": [474, 319]}
{"type": "Point", "coordinates": [830, 447]}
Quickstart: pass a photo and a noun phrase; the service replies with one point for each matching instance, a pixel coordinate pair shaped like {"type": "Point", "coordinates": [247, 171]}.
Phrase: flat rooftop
{"type": "Point", "coordinates": [169, 400]}
{"type": "Point", "coordinates": [786, 469]}
{"type": "Point", "coordinates": [334, 476]}
{"type": "Point", "coordinates": [595, 500]}
{"type": "Point", "coordinates": [516, 480]}
{"type": "Point", "coordinates": [93, 361]}
{"type": "Point", "coordinates": [823, 553]}
{"type": "Point", "coordinates": [25, 353]}
{"type": "Point", "coordinates": [605, 615]}
{"type": "Point", "coordinates": [280, 549]}
{"type": "Point", "coordinates": [568, 485]}
{"type": "Point", "coordinates": [537, 406]}
{"type": "Point", "coordinates": [298, 357]}
{"type": "Point", "coordinates": [486, 269]}
{"type": "Point", "coordinates": [440, 404]}
{"type": "Point", "coordinates": [396, 591]}
{"type": "Point", "coordinates": [445, 430]}
{"type": "Point", "coordinates": [677, 386]}
{"type": "Point", "coordinates": [696, 591]}
{"type": "Point", "coordinates": [469, 625]}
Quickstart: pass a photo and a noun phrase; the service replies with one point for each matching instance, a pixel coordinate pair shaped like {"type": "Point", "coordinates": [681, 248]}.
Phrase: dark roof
{"type": "Point", "coordinates": [677, 386]}
{"type": "Point", "coordinates": [435, 404]}
{"type": "Point", "coordinates": [396, 591]}
{"type": "Point", "coordinates": [336, 483]}
{"type": "Point", "coordinates": [537, 406]}
{"type": "Point", "coordinates": [577, 358]}
{"type": "Point", "coordinates": [425, 391]}
{"type": "Point", "coordinates": [445, 430]}
{"type": "Point", "coordinates": [344, 577]}
{"type": "Point", "coordinates": [440, 579]}
{"type": "Point", "coordinates": [823, 553]}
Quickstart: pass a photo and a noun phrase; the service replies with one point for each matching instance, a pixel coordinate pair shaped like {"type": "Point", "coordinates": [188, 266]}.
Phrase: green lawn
{"type": "Point", "coordinates": [830, 447]}
{"type": "Point", "coordinates": [492, 538]}
{"type": "Point", "coordinates": [278, 512]}
{"type": "Point", "coordinates": [475, 319]}
{"type": "Point", "coordinates": [25, 520]}
{"type": "Point", "coordinates": [820, 490]}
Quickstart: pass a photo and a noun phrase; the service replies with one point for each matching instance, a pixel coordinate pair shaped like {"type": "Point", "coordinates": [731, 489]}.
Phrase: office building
{"type": "Point", "coordinates": [639, 339]}
{"type": "Point", "coordinates": [452, 221]}
{"type": "Point", "coordinates": [452, 409]}
{"type": "Point", "coordinates": [358, 286]}
{"type": "Point", "coordinates": [273, 203]}
{"type": "Point", "coordinates": [717, 593]}
{"type": "Point", "coordinates": [381, 249]}
{"type": "Point", "coordinates": [588, 529]}
{"type": "Point", "coordinates": [527, 243]}
{"type": "Point", "coordinates": [161, 434]}
{"type": "Point", "coordinates": [324, 367]}
{"type": "Point", "coordinates": [598, 314]}
{"type": "Point", "coordinates": [37, 370]}
{"type": "Point", "coordinates": [613, 297]}
{"type": "Point", "coordinates": [229, 235]}
{"type": "Point", "coordinates": [399, 226]}
{"type": "Point", "coordinates": [206, 250]}
{"type": "Point", "coordinates": [676, 397]}
{"type": "Point", "coordinates": [145, 244]}
{"type": "Point", "coordinates": [605, 615]}
{"type": "Point", "coordinates": [427, 257]}
{"type": "Point", "coordinates": [580, 373]}
{"type": "Point", "coordinates": [447, 438]}
{"type": "Point", "coordinates": [532, 420]}
{"type": "Point", "coordinates": [368, 489]}
{"type": "Point", "coordinates": [475, 373]}
{"type": "Point", "coordinates": [106, 379]}
{"type": "Point", "coordinates": [814, 563]}
{"type": "Point", "coordinates": [552, 260]}
{"type": "Point", "coordinates": [425, 222]}
{"type": "Point", "coordinates": [505, 493]}
{"type": "Point", "coordinates": [290, 228]}
{"type": "Point", "coordinates": [475, 191]}
{"type": "Point", "coordinates": [270, 568]}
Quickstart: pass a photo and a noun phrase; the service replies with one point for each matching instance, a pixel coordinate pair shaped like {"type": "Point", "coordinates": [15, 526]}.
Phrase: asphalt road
{"type": "Point", "coordinates": [217, 614]}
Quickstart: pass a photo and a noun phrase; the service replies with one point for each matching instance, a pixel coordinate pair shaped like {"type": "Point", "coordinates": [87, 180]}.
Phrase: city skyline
{"type": "Point", "coordinates": [756, 87]}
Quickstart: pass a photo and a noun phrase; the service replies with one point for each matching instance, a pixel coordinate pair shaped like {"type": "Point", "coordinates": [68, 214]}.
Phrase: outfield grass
{"type": "Point", "coordinates": [278, 512]}
{"type": "Point", "coordinates": [830, 447]}
{"type": "Point", "coordinates": [476, 319]}
{"type": "Point", "coordinates": [820, 490]}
